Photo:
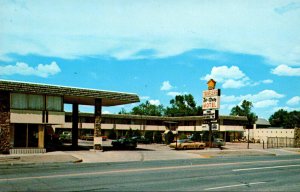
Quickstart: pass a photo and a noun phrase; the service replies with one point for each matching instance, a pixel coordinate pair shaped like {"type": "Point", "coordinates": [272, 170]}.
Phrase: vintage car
{"type": "Point", "coordinates": [124, 143]}
{"type": "Point", "coordinates": [141, 139]}
{"type": "Point", "coordinates": [65, 137]}
{"type": "Point", "coordinates": [187, 144]}
{"type": "Point", "coordinates": [218, 143]}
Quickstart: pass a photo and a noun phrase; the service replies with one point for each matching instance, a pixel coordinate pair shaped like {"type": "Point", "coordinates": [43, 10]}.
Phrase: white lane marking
{"type": "Point", "coordinates": [141, 170]}
{"type": "Point", "coordinates": [258, 168]}
{"type": "Point", "coordinates": [230, 186]}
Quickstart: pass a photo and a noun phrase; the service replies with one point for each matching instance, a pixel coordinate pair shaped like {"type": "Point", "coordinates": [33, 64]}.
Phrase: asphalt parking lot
{"type": "Point", "coordinates": [144, 152]}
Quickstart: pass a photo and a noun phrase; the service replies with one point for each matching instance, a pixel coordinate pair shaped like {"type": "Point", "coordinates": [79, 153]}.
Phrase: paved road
{"type": "Point", "coordinates": [263, 173]}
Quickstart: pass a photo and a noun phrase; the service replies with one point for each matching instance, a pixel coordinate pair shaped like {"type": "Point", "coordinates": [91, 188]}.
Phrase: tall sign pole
{"type": "Point", "coordinates": [211, 106]}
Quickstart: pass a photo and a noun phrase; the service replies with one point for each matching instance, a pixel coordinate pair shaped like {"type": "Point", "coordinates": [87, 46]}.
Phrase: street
{"type": "Point", "coordinates": [259, 173]}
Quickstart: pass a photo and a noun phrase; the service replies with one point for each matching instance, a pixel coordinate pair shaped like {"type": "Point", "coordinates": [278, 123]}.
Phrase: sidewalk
{"type": "Point", "coordinates": [143, 153]}
{"type": "Point", "coordinates": [51, 157]}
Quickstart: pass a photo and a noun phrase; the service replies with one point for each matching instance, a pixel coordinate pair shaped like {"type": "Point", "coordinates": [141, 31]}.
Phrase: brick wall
{"type": "Point", "coordinates": [4, 122]}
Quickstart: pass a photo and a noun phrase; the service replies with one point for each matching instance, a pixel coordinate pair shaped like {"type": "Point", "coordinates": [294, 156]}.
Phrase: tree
{"type": "Point", "coordinates": [285, 119]}
{"type": "Point", "coordinates": [245, 110]}
{"type": "Point", "coordinates": [123, 111]}
{"type": "Point", "coordinates": [148, 109]}
{"type": "Point", "coordinates": [183, 105]}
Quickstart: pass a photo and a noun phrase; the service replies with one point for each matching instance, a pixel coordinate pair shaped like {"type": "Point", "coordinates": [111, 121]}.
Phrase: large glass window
{"type": "Point", "coordinates": [54, 103]}
{"type": "Point", "coordinates": [36, 102]}
{"type": "Point", "coordinates": [19, 101]}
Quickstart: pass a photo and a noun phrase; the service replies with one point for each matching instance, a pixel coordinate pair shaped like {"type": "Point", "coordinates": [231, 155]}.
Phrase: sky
{"type": "Point", "coordinates": [158, 49]}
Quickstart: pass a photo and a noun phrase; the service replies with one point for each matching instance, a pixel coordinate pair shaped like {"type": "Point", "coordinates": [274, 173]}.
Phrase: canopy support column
{"type": "Point", "coordinates": [97, 129]}
{"type": "Point", "coordinates": [75, 125]}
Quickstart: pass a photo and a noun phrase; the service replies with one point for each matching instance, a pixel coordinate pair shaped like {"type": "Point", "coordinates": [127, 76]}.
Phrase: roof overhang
{"type": "Point", "coordinates": [71, 94]}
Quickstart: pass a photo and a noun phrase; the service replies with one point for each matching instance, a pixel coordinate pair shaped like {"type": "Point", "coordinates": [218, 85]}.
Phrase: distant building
{"type": "Point", "coordinates": [262, 130]}
{"type": "Point", "coordinates": [228, 127]}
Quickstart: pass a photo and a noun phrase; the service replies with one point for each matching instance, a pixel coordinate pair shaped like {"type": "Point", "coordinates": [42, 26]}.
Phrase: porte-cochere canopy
{"type": "Point", "coordinates": [71, 94]}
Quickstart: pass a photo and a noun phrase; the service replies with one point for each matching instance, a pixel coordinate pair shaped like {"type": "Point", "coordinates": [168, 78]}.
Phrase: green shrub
{"type": "Point", "coordinates": [149, 136]}
{"type": "Point", "coordinates": [129, 133]}
{"type": "Point", "coordinates": [112, 134]}
{"type": "Point", "coordinates": [169, 137]}
{"type": "Point", "coordinates": [137, 133]}
{"type": "Point", "coordinates": [182, 136]}
{"type": "Point", "coordinates": [196, 136]}
{"type": "Point", "coordinates": [157, 137]}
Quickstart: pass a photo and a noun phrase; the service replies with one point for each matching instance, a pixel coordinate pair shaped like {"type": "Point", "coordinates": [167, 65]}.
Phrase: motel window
{"type": "Point", "coordinates": [27, 101]}
{"type": "Point", "coordinates": [36, 102]}
{"type": "Point", "coordinates": [54, 103]}
{"type": "Point", "coordinates": [19, 101]}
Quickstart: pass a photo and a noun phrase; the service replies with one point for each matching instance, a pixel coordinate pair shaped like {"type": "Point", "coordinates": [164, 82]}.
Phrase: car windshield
{"type": "Point", "coordinates": [182, 141]}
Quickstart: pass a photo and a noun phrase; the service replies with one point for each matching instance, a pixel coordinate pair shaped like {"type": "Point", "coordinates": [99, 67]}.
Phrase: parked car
{"type": "Point", "coordinates": [218, 143]}
{"type": "Point", "coordinates": [65, 136]}
{"type": "Point", "coordinates": [124, 143]}
{"type": "Point", "coordinates": [141, 139]}
{"type": "Point", "coordinates": [88, 137]}
{"type": "Point", "coordinates": [187, 144]}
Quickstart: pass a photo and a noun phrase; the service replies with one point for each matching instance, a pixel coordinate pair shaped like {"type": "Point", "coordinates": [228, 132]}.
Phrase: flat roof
{"type": "Point", "coordinates": [71, 94]}
{"type": "Point", "coordinates": [160, 118]}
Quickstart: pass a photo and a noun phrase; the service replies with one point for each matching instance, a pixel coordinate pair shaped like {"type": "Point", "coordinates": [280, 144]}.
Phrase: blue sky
{"type": "Point", "coordinates": [158, 49]}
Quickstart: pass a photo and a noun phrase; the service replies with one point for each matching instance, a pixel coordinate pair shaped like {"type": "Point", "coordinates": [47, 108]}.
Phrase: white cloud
{"type": "Point", "coordinates": [284, 70]}
{"type": "Point", "coordinates": [234, 84]}
{"type": "Point", "coordinates": [223, 73]}
{"type": "Point", "coordinates": [144, 97]}
{"type": "Point", "coordinates": [154, 102]}
{"type": "Point", "coordinates": [229, 99]}
{"type": "Point", "coordinates": [265, 103]}
{"type": "Point", "coordinates": [294, 101]}
{"type": "Point", "coordinates": [42, 70]}
{"type": "Point", "coordinates": [166, 86]}
{"type": "Point", "coordinates": [121, 29]}
{"type": "Point", "coordinates": [173, 93]}
{"type": "Point", "coordinates": [227, 106]}
{"type": "Point", "coordinates": [265, 98]}
{"type": "Point", "coordinates": [263, 95]}
{"type": "Point", "coordinates": [106, 112]}
{"type": "Point", "coordinates": [267, 81]}
{"type": "Point", "coordinates": [230, 77]}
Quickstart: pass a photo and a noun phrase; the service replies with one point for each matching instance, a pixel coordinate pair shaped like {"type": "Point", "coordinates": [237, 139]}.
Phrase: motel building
{"type": "Point", "coordinates": [28, 112]}
{"type": "Point", "coordinates": [229, 128]}
{"type": "Point", "coordinates": [32, 114]}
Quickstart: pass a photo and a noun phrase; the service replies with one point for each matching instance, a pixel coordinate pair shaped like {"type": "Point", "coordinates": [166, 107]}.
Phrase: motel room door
{"type": "Point", "coordinates": [26, 135]}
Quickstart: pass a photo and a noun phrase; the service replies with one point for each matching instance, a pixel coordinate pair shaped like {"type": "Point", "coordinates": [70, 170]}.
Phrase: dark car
{"type": "Point", "coordinates": [218, 143]}
{"type": "Point", "coordinates": [141, 139]}
{"type": "Point", "coordinates": [124, 143]}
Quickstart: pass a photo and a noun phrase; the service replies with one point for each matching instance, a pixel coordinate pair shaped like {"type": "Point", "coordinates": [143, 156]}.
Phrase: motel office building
{"type": "Point", "coordinates": [29, 111]}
